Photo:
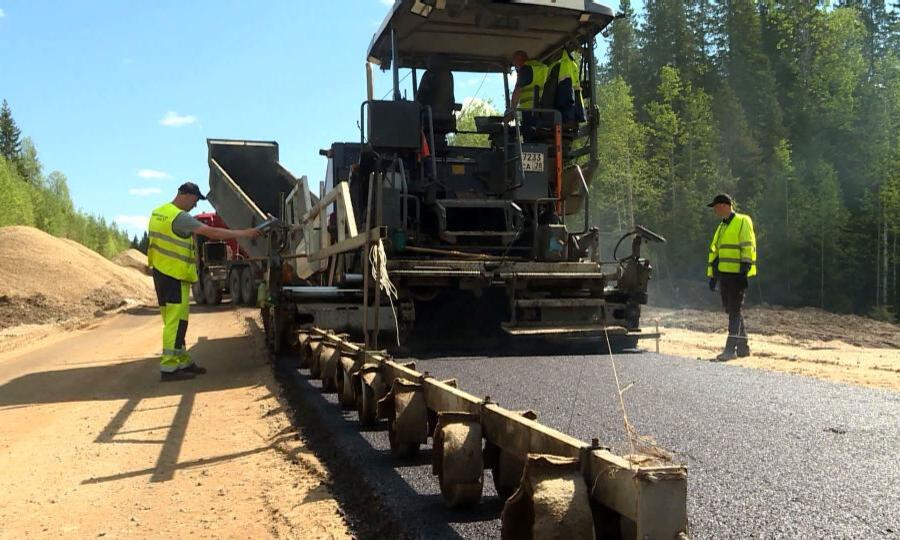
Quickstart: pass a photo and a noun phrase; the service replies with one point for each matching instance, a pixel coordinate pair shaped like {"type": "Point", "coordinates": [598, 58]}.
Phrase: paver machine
{"type": "Point", "coordinates": [497, 234]}
{"type": "Point", "coordinates": [412, 231]}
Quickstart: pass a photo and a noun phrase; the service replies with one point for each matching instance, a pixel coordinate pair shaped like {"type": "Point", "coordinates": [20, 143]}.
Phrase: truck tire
{"type": "Point", "coordinates": [234, 285]}
{"type": "Point", "coordinates": [212, 292]}
{"type": "Point", "coordinates": [197, 292]}
{"type": "Point", "coordinates": [248, 289]}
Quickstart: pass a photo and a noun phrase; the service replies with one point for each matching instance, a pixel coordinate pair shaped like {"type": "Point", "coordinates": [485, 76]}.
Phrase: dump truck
{"type": "Point", "coordinates": [246, 181]}
{"type": "Point", "coordinates": [411, 235]}
{"type": "Point", "coordinates": [224, 268]}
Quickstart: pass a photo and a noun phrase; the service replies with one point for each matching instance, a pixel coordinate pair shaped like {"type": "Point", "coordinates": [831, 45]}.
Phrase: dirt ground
{"type": "Point", "coordinates": [811, 342]}
{"type": "Point", "coordinates": [93, 445]}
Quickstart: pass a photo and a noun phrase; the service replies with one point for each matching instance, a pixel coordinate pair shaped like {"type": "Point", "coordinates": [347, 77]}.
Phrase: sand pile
{"type": "Point", "coordinates": [45, 279]}
{"type": "Point", "coordinates": [132, 258]}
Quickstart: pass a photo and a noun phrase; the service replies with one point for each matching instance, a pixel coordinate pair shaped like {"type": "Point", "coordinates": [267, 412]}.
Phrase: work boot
{"type": "Point", "coordinates": [179, 375]}
{"type": "Point", "coordinates": [194, 369]}
{"type": "Point", "coordinates": [726, 356]}
{"type": "Point", "coordinates": [728, 353]}
{"type": "Point", "coordinates": [743, 352]}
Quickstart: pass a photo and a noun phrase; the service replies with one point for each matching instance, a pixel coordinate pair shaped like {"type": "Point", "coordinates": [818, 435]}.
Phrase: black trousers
{"type": "Point", "coordinates": [733, 288]}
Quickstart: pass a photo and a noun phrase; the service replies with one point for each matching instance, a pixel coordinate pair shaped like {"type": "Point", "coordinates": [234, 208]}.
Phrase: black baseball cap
{"type": "Point", "coordinates": [721, 198]}
{"type": "Point", "coordinates": [191, 188]}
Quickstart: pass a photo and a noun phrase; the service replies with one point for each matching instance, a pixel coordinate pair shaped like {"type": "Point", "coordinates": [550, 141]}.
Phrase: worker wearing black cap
{"type": "Point", "coordinates": [731, 262]}
{"type": "Point", "coordinates": [173, 260]}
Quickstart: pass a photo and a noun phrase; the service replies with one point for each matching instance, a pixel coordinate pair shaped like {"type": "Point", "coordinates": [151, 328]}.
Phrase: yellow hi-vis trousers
{"type": "Point", "coordinates": [173, 297]}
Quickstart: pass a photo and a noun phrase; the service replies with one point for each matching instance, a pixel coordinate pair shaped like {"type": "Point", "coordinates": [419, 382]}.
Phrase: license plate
{"type": "Point", "coordinates": [533, 161]}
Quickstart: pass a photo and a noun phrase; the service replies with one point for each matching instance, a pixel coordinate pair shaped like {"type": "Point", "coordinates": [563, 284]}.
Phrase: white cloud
{"type": "Point", "coordinates": [2, 14]}
{"type": "Point", "coordinates": [173, 119]}
{"type": "Point", "coordinates": [135, 222]}
{"type": "Point", "coordinates": [154, 174]}
{"type": "Point", "coordinates": [144, 191]}
{"type": "Point", "coordinates": [388, 2]}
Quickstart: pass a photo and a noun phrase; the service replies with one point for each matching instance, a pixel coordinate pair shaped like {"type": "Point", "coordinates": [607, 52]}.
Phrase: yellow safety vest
{"type": "Point", "coordinates": [538, 78]}
{"type": "Point", "coordinates": [732, 245]}
{"type": "Point", "coordinates": [169, 253]}
{"type": "Point", "coordinates": [568, 69]}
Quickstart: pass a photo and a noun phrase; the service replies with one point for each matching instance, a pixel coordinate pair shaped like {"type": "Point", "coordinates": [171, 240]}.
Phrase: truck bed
{"type": "Point", "coordinates": [246, 182]}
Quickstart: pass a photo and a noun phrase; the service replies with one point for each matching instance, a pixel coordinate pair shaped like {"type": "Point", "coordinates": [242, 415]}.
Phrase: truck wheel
{"type": "Point", "coordinates": [248, 289]}
{"type": "Point", "coordinates": [197, 292]}
{"type": "Point", "coordinates": [212, 292]}
{"type": "Point", "coordinates": [234, 285]}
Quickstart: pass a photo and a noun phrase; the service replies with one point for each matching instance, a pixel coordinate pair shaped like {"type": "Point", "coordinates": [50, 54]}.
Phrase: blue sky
{"type": "Point", "coordinates": [121, 96]}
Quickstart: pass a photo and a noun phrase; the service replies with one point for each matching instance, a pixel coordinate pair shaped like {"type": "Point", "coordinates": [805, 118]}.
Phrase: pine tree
{"type": "Point", "coordinates": [10, 145]}
{"type": "Point", "coordinates": [674, 34]}
{"type": "Point", "coordinates": [623, 53]}
{"type": "Point", "coordinates": [748, 70]}
{"type": "Point", "coordinates": [144, 243]}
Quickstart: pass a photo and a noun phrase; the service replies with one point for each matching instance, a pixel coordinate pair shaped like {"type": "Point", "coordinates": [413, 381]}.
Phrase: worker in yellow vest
{"type": "Point", "coordinates": [730, 264]}
{"type": "Point", "coordinates": [172, 258]}
{"type": "Point", "coordinates": [530, 78]}
{"type": "Point", "coordinates": [568, 100]}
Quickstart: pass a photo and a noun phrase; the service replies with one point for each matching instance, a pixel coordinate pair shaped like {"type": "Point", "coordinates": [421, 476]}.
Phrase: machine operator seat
{"type": "Point", "coordinates": [436, 90]}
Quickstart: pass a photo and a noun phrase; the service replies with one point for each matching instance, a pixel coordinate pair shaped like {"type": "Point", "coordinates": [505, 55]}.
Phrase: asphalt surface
{"type": "Point", "coordinates": [769, 455]}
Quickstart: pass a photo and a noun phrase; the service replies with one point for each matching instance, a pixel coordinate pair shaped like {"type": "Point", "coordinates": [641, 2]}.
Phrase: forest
{"type": "Point", "coordinates": [29, 197]}
{"type": "Point", "coordinates": [792, 108]}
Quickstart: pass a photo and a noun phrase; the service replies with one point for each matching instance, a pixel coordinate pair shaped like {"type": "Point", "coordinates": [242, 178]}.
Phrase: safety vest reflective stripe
{"type": "Point", "coordinates": [527, 98]}
{"type": "Point", "coordinates": [182, 243]}
{"type": "Point", "coordinates": [170, 253]}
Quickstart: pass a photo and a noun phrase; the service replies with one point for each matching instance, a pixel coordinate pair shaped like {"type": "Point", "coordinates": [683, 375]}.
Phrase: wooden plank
{"type": "Point", "coordinates": [323, 227]}
{"type": "Point", "coordinates": [349, 244]}
{"type": "Point", "coordinates": [342, 190]}
{"type": "Point", "coordinates": [349, 216]}
{"type": "Point", "coordinates": [654, 498]}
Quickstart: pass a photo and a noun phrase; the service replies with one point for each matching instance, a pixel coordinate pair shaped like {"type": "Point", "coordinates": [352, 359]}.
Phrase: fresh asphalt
{"type": "Point", "coordinates": [769, 455]}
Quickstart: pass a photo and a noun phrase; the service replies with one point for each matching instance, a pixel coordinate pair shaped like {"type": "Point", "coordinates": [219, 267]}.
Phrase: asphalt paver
{"type": "Point", "coordinates": [768, 454]}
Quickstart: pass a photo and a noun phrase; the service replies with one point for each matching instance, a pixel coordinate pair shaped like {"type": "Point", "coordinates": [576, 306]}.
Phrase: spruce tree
{"type": "Point", "coordinates": [10, 143]}
{"type": "Point", "coordinates": [623, 54]}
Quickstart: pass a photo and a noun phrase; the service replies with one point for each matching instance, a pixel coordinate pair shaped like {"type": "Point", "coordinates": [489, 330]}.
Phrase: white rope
{"type": "Point", "coordinates": [629, 430]}
{"type": "Point", "coordinates": [378, 263]}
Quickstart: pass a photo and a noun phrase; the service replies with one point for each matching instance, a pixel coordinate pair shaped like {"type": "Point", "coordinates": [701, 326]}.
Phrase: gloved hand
{"type": "Point", "coordinates": [745, 269]}
{"type": "Point", "coordinates": [712, 284]}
